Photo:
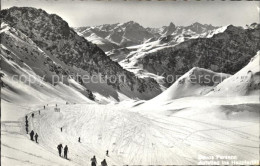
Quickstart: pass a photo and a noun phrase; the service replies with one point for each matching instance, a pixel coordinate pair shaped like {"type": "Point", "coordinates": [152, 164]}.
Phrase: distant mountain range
{"type": "Point", "coordinates": [114, 36]}
{"type": "Point", "coordinates": [174, 50]}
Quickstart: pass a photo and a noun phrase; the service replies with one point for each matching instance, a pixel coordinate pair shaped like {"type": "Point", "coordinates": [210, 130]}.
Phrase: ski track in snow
{"type": "Point", "coordinates": [131, 138]}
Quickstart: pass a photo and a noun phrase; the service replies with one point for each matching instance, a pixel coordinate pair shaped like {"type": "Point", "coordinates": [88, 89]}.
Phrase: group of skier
{"type": "Point", "coordinates": [32, 132]}
{"type": "Point", "coordinates": [66, 149]}
{"type": "Point", "coordinates": [60, 147]}
{"type": "Point", "coordinates": [94, 161]}
{"type": "Point", "coordinates": [35, 136]}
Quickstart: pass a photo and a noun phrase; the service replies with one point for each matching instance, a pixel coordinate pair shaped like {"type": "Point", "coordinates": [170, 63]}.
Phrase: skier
{"type": "Point", "coordinates": [39, 112]}
{"type": "Point", "coordinates": [104, 163]}
{"type": "Point", "coordinates": [107, 153]}
{"type": "Point", "coordinates": [26, 128]}
{"type": "Point", "coordinates": [93, 161]}
{"type": "Point", "coordinates": [79, 139]}
{"type": "Point", "coordinates": [61, 129]}
{"type": "Point", "coordinates": [31, 135]}
{"type": "Point", "coordinates": [59, 149]}
{"type": "Point", "coordinates": [26, 122]}
{"type": "Point", "coordinates": [36, 137]}
{"type": "Point", "coordinates": [66, 152]}
{"type": "Point", "coordinates": [44, 107]}
{"type": "Point", "coordinates": [32, 115]}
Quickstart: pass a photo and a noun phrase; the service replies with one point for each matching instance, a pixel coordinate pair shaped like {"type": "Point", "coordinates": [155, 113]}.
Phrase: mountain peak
{"type": "Point", "coordinates": [171, 25]}
{"type": "Point", "coordinates": [196, 24]}
{"type": "Point", "coordinates": [131, 23]}
{"type": "Point", "coordinates": [253, 26]}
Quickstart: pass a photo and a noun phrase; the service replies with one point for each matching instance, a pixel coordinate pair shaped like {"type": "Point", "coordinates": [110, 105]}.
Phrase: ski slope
{"type": "Point", "coordinates": [132, 136]}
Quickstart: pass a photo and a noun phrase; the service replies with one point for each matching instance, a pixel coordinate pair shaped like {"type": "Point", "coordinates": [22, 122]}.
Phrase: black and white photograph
{"type": "Point", "coordinates": [130, 82]}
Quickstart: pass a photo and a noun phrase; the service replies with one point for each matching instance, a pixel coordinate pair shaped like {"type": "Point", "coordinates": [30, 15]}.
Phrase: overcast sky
{"type": "Point", "coordinates": [147, 13]}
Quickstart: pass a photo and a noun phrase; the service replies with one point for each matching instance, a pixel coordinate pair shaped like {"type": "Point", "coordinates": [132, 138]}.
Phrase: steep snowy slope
{"type": "Point", "coordinates": [68, 55]}
{"type": "Point", "coordinates": [200, 88]}
{"type": "Point", "coordinates": [27, 72]}
{"type": "Point", "coordinates": [196, 82]}
{"type": "Point", "coordinates": [244, 82]}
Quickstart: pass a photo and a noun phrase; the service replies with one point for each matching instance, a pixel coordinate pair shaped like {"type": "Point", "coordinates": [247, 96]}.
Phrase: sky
{"type": "Point", "coordinates": [147, 13]}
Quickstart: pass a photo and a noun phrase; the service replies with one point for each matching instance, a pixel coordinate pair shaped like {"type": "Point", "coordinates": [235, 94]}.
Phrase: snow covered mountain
{"type": "Point", "coordinates": [120, 35]}
{"type": "Point", "coordinates": [115, 35]}
{"type": "Point", "coordinates": [226, 50]}
{"type": "Point", "coordinates": [203, 82]}
{"type": "Point", "coordinates": [201, 90]}
{"type": "Point", "coordinates": [196, 82]}
{"type": "Point", "coordinates": [43, 45]}
{"type": "Point", "coordinates": [244, 82]}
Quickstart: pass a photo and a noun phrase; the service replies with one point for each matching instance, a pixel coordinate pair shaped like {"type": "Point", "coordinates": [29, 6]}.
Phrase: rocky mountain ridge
{"type": "Point", "coordinates": [225, 50]}
{"type": "Point", "coordinates": [71, 54]}
{"type": "Point", "coordinates": [114, 36]}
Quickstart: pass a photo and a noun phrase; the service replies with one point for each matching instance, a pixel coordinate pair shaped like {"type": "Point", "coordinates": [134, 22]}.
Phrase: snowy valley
{"type": "Point", "coordinates": [209, 107]}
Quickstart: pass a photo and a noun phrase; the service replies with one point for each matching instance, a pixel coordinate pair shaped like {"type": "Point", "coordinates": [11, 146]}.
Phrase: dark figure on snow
{"type": "Point", "coordinates": [59, 147]}
{"type": "Point", "coordinates": [93, 161]}
{"type": "Point", "coordinates": [26, 128]}
{"type": "Point", "coordinates": [107, 152]}
{"type": "Point", "coordinates": [79, 139]}
{"type": "Point", "coordinates": [31, 135]}
{"type": "Point", "coordinates": [104, 163]}
{"type": "Point", "coordinates": [61, 129]}
{"type": "Point", "coordinates": [66, 152]}
{"type": "Point", "coordinates": [44, 107]}
{"type": "Point", "coordinates": [39, 112]}
{"type": "Point", "coordinates": [36, 138]}
{"type": "Point", "coordinates": [32, 115]}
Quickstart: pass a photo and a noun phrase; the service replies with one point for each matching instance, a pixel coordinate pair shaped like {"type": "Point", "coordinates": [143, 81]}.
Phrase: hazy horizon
{"type": "Point", "coordinates": [147, 13]}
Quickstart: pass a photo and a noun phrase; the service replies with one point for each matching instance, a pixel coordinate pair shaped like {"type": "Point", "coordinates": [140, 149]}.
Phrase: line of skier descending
{"type": "Point", "coordinates": [60, 147]}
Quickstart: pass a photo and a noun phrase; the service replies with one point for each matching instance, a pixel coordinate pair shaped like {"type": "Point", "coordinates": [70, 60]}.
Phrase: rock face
{"type": "Point", "coordinates": [225, 52]}
{"type": "Point", "coordinates": [65, 50]}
